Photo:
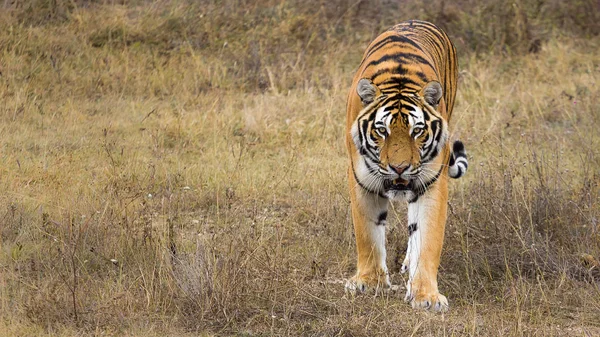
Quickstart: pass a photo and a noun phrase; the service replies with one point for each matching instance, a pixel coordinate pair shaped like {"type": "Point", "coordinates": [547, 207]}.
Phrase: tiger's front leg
{"type": "Point", "coordinates": [426, 223]}
{"type": "Point", "coordinates": [369, 214]}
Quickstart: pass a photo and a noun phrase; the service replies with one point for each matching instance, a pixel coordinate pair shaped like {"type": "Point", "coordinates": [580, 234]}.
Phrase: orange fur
{"type": "Point", "coordinates": [401, 64]}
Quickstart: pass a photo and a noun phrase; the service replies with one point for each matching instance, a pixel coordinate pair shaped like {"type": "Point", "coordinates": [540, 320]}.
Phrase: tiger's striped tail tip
{"type": "Point", "coordinates": [458, 160]}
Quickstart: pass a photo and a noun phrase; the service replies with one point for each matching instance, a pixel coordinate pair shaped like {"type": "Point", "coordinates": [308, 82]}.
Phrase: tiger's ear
{"type": "Point", "coordinates": [366, 91]}
{"type": "Point", "coordinates": [432, 93]}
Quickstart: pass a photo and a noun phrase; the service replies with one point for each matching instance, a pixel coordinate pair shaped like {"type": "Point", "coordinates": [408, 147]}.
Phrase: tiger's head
{"type": "Point", "coordinates": [399, 136]}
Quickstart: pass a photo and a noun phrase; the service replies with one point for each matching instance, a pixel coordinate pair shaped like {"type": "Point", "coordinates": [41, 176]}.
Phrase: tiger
{"type": "Point", "coordinates": [397, 137]}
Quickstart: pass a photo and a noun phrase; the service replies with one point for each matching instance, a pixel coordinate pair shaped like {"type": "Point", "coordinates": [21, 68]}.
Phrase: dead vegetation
{"type": "Point", "coordinates": [175, 168]}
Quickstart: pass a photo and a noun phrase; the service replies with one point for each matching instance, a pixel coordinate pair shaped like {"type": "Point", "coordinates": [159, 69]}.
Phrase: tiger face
{"type": "Point", "coordinates": [399, 136]}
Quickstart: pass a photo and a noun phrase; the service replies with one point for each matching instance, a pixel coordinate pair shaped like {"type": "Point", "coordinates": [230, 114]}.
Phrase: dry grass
{"type": "Point", "coordinates": [159, 181]}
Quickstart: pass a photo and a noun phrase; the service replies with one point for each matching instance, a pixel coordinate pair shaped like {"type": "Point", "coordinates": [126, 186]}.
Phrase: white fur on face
{"type": "Point", "coordinates": [416, 118]}
{"type": "Point", "coordinates": [371, 181]}
{"type": "Point", "coordinates": [383, 118]}
{"type": "Point", "coordinates": [367, 169]}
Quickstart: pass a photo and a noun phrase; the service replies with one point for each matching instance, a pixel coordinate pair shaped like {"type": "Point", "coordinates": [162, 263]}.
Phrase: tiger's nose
{"type": "Point", "coordinates": [399, 169]}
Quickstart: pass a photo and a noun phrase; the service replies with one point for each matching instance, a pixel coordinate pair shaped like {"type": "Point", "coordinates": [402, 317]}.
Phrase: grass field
{"type": "Point", "coordinates": [178, 168]}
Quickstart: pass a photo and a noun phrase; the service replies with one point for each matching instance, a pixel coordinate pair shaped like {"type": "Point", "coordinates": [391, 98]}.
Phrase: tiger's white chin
{"type": "Point", "coordinates": [400, 195]}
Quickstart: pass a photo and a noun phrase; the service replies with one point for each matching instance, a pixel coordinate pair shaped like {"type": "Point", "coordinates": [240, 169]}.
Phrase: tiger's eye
{"type": "Point", "coordinates": [382, 131]}
{"type": "Point", "coordinates": [417, 131]}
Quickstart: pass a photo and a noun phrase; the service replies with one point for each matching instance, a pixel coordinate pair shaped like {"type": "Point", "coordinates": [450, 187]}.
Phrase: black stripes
{"type": "Point", "coordinates": [458, 160]}
{"type": "Point", "coordinates": [400, 63]}
{"type": "Point", "coordinates": [400, 58]}
{"type": "Point", "coordinates": [452, 160]}
{"type": "Point", "coordinates": [381, 220]}
{"type": "Point", "coordinates": [367, 147]}
{"type": "Point", "coordinates": [391, 40]}
{"type": "Point", "coordinates": [412, 228]}
{"type": "Point", "coordinates": [431, 151]}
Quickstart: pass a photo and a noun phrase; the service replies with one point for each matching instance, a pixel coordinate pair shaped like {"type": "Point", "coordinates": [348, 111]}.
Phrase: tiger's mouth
{"type": "Point", "coordinates": [398, 184]}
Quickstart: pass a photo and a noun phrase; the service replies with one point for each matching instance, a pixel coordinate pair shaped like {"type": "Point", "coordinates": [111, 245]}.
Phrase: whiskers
{"type": "Point", "coordinates": [387, 175]}
{"type": "Point", "coordinates": [423, 179]}
{"type": "Point", "coordinates": [380, 182]}
{"type": "Point", "coordinates": [428, 172]}
{"type": "Point", "coordinates": [418, 184]}
{"type": "Point", "coordinates": [371, 182]}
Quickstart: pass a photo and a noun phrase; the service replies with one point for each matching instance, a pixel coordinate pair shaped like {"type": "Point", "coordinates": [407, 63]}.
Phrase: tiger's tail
{"type": "Point", "coordinates": [458, 160]}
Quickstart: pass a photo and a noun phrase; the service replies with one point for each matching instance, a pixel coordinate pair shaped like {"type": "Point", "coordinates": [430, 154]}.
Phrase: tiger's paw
{"type": "Point", "coordinates": [428, 301]}
{"type": "Point", "coordinates": [366, 283]}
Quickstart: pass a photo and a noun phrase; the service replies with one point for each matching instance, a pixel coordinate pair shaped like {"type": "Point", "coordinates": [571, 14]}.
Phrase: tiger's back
{"type": "Point", "coordinates": [405, 58]}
